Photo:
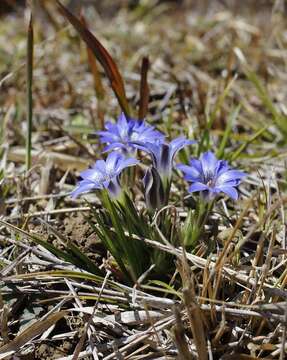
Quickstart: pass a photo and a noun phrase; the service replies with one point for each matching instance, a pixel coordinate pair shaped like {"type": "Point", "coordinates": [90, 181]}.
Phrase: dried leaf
{"type": "Point", "coordinates": [144, 89]}
{"type": "Point", "coordinates": [103, 57]}
{"type": "Point", "coordinates": [135, 317]}
{"type": "Point", "coordinates": [100, 92]}
{"type": "Point", "coordinates": [63, 161]}
{"type": "Point", "coordinates": [239, 357]}
{"type": "Point", "coordinates": [30, 333]}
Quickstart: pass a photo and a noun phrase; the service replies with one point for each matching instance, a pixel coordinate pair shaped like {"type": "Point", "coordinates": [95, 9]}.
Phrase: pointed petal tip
{"type": "Point", "coordinates": [197, 186]}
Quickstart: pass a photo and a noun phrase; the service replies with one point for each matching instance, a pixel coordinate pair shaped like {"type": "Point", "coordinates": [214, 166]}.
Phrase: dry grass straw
{"type": "Point", "coordinates": [228, 303]}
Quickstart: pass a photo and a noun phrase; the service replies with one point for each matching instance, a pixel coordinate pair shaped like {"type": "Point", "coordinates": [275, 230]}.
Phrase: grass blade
{"type": "Point", "coordinates": [109, 240]}
{"type": "Point", "coordinates": [204, 143]}
{"type": "Point", "coordinates": [85, 262]}
{"type": "Point", "coordinates": [238, 152]}
{"type": "Point", "coordinates": [128, 246]}
{"type": "Point", "coordinates": [232, 118]}
{"type": "Point", "coordinates": [30, 45]}
{"type": "Point", "coordinates": [278, 119]}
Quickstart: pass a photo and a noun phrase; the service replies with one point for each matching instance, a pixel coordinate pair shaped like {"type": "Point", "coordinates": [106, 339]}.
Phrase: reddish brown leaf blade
{"type": "Point", "coordinates": [103, 57]}
{"type": "Point", "coordinates": [100, 92]}
{"type": "Point", "coordinates": [94, 68]}
{"type": "Point", "coordinates": [144, 89]}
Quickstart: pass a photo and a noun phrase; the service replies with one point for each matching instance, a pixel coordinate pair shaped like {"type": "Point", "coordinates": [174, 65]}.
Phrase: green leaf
{"type": "Point", "coordinates": [205, 139]}
{"type": "Point", "coordinates": [128, 245]}
{"type": "Point", "coordinates": [109, 240]}
{"type": "Point", "coordinates": [83, 260]}
{"type": "Point", "coordinates": [238, 152]}
{"type": "Point", "coordinates": [162, 287]}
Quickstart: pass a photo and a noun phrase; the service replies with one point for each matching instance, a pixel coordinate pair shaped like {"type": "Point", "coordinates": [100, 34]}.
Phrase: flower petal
{"type": "Point", "coordinates": [153, 189]}
{"type": "Point", "coordinates": [208, 163]}
{"type": "Point", "coordinates": [197, 186]}
{"type": "Point", "coordinates": [164, 164]}
{"type": "Point", "coordinates": [112, 161]}
{"type": "Point", "coordinates": [191, 173]}
{"type": "Point", "coordinates": [153, 149]}
{"type": "Point", "coordinates": [230, 175]}
{"type": "Point", "coordinates": [125, 131]}
{"type": "Point", "coordinates": [196, 164]}
{"type": "Point", "coordinates": [222, 166]}
{"type": "Point", "coordinates": [126, 163]}
{"type": "Point", "coordinates": [84, 186]}
{"type": "Point", "coordinates": [114, 187]}
{"type": "Point", "coordinates": [228, 190]}
{"type": "Point", "coordinates": [114, 146]}
{"type": "Point", "coordinates": [107, 136]}
{"type": "Point", "coordinates": [177, 144]}
{"type": "Point", "coordinates": [100, 166]}
{"type": "Point", "coordinates": [92, 175]}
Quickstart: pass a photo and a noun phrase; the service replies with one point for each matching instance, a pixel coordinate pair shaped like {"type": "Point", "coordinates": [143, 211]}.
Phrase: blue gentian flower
{"type": "Point", "coordinates": [124, 132]}
{"type": "Point", "coordinates": [104, 175]}
{"type": "Point", "coordinates": [211, 176]}
{"type": "Point", "coordinates": [163, 154]}
{"type": "Point", "coordinates": [153, 189]}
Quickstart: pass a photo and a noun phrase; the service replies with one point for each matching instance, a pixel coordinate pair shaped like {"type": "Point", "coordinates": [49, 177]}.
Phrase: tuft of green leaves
{"type": "Point", "coordinates": [123, 229]}
{"type": "Point", "coordinates": [114, 225]}
{"type": "Point", "coordinates": [193, 227]}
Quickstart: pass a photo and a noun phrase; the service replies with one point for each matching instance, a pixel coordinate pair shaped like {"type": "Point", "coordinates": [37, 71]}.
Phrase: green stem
{"type": "Point", "coordinates": [203, 211]}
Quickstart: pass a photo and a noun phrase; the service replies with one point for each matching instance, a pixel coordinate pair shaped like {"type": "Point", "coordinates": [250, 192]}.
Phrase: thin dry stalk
{"type": "Point", "coordinates": [196, 323]}
{"type": "Point", "coordinates": [179, 337]}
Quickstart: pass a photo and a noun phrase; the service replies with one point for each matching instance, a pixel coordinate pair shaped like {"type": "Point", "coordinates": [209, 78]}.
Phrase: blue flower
{"type": "Point", "coordinates": [104, 175]}
{"type": "Point", "coordinates": [153, 189]}
{"type": "Point", "coordinates": [163, 154]}
{"type": "Point", "coordinates": [211, 176]}
{"type": "Point", "coordinates": [124, 132]}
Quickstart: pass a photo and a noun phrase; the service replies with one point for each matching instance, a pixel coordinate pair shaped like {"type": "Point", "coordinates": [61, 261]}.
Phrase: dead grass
{"type": "Point", "coordinates": [230, 304]}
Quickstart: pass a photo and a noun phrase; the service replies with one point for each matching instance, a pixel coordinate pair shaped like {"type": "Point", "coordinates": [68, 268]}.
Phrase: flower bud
{"type": "Point", "coordinates": [153, 189]}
